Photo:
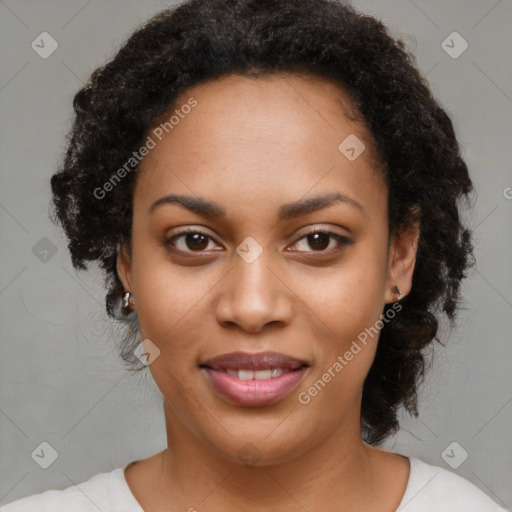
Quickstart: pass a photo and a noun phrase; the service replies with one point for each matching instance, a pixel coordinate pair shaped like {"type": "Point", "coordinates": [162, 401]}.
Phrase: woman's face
{"type": "Point", "coordinates": [251, 280]}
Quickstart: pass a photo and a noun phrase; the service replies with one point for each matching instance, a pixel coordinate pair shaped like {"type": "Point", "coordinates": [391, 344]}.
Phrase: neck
{"type": "Point", "coordinates": [337, 472]}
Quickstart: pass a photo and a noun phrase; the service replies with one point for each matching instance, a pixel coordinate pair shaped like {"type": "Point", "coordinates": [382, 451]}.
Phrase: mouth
{"type": "Point", "coordinates": [254, 379]}
{"type": "Point", "coordinates": [247, 374]}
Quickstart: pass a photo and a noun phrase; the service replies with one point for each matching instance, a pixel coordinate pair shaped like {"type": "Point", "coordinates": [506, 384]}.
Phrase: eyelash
{"type": "Point", "coordinates": [339, 238]}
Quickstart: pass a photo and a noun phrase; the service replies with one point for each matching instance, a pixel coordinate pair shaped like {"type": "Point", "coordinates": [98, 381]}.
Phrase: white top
{"type": "Point", "coordinates": [429, 489]}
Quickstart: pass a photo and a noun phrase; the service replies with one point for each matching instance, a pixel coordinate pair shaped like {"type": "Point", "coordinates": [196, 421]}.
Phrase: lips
{"type": "Point", "coordinates": [254, 361]}
{"type": "Point", "coordinates": [254, 379]}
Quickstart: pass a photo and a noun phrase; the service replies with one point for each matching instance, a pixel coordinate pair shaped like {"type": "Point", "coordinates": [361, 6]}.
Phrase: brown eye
{"type": "Point", "coordinates": [189, 241]}
{"type": "Point", "coordinates": [319, 241]}
{"type": "Point", "coordinates": [196, 241]}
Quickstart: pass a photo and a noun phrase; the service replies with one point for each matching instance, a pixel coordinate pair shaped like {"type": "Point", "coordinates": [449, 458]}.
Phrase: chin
{"type": "Point", "coordinates": [254, 447]}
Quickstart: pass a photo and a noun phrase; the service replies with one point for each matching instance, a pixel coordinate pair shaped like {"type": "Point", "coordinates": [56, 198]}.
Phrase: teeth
{"type": "Point", "coordinates": [257, 375]}
{"type": "Point", "coordinates": [245, 374]}
{"type": "Point", "coordinates": [262, 374]}
{"type": "Point", "coordinates": [276, 372]}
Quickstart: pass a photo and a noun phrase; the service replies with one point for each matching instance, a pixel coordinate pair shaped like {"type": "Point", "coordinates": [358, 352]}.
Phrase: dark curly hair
{"type": "Point", "coordinates": [201, 40]}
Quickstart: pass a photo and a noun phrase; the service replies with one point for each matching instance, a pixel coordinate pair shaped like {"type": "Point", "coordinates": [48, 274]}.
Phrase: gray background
{"type": "Point", "coordinates": [61, 379]}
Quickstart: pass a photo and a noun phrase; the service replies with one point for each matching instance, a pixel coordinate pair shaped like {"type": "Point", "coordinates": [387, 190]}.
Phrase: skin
{"type": "Point", "coordinates": [252, 145]}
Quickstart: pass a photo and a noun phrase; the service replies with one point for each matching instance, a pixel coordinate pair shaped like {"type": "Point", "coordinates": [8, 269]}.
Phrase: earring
{"type": "Point", "coordinates": [396, 289]}
{"type": "Point", "coordinates": [126, 299]}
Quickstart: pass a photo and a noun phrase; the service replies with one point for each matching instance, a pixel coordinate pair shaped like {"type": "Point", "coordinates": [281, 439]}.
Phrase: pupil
{"type": "Point", "coordinates": [198, 241]}
{"type": "Point", "coordinates": [317, 238]}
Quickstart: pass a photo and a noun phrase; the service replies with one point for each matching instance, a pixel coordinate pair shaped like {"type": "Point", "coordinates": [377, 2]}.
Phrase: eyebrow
{"type": "Point", "coordinates": [212, 210]}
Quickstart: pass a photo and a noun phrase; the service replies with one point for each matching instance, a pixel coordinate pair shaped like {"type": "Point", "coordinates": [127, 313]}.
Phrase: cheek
{"type": "Point", "coordinates": [166, 293]}
{"type": "Point", "coordinates": [345, 299]}
{"type": "Point", "coordinates": [347, 306]}
{"type": "Point", "coordinates": [169, 301]}
{"type": "Point", "coordinates": [346, 344]}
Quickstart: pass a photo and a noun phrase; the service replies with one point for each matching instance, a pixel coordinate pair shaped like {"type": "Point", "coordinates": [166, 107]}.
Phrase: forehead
{"type": "Point", "coordinates": [266, 102]}
{"type": "Point", "coordinates": [256, 134]}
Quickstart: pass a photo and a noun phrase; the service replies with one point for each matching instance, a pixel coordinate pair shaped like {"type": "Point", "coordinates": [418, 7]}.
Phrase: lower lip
{"type": "Point", "coordinates": [254, 392]}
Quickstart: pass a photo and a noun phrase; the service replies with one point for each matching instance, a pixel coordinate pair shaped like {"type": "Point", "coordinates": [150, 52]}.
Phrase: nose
{"type": "Point", "coordinates": [254, 296]}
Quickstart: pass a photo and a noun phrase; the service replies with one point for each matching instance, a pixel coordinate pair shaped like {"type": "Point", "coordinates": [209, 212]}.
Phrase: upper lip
{"type": "Point", "coordinates": [253, 361]}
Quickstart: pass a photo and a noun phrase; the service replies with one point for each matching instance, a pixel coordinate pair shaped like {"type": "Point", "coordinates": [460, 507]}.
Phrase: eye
{"type": "Point", "coordinates": [320, 241]}
{"type": "Point", "coordinates": [189, 240]}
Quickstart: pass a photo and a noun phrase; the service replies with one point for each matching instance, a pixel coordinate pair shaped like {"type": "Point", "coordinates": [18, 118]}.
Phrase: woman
{"type": "Point", "coordinates": [271, 190]}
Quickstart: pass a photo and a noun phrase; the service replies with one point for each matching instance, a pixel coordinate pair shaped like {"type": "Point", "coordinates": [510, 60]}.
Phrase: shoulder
{"type": "Point", "coordinates": [92, 495]}
{"type": "Point", "coordinates": [435, 489]}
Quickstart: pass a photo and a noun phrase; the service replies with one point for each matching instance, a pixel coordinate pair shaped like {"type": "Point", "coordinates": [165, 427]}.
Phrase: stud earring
{"type": "Point", "coordinates": [396, 289]}
{"type": "Point", "coordinates": [126, 299]}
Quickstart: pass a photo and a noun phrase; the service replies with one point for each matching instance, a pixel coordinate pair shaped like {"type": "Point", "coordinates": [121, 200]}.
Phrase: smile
{"type": "Point", "coordinates": [258, 374]}
{"type": "Point", "coordinates": [254, 388]}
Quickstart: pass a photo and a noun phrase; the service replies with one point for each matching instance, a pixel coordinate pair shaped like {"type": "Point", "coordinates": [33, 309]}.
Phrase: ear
{"type": "Point", "coordinates": [402, 259]}
{"type": "Point", "coordinates": [124, 266]}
